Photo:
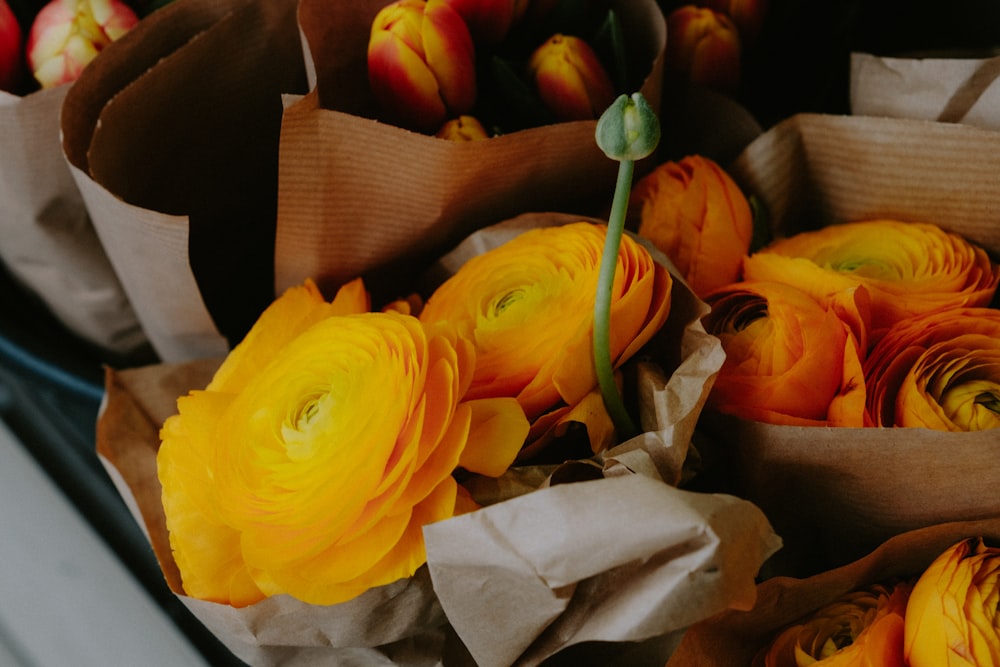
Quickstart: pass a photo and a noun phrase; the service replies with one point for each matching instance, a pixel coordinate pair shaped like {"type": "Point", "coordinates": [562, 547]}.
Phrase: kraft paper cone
{"type": "Point", "coordinates": [172, 136]}
{"type": "Point", "coordinates": [953, 89]}
{"type": "Point", "coordinates": [361, 197]}
{"type": "Point", "coordinates": [47, 241]}
{"type": "Point", "coordinates": [633, 609]}
{"type": "Point", "coordinates": [732, 638]}
{"type": "Point", "coordinates": [835, 494]}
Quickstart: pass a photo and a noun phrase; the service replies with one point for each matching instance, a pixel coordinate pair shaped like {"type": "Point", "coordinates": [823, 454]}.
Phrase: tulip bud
{"type": "Point", "coordinates": [629, 129]}
{"type": "Point", "coordinates": [952, 617]}
{"type": "Point", "coordinates": [10, 48]}
{"type": "Point", "coordinates": [68, 34]}
{"type": "Point", "coordinates": [748, 15]}
{"type": "Point", "coordinates": [463, 128]}
{"type": "Point", "coordinates": [570, 79]}
{"type": "Point", "coordinates": [705, 45]}
{"type": "Point", "coordinates": [421, 63]}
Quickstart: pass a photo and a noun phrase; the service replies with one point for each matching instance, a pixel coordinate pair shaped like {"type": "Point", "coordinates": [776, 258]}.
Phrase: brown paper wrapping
{"type": "Point", "coordinates": [47, 242]}
{"type": "Point", "coordinates": [836, 494]}
{"type": "Point", "coordinates": [172, 137]}
{"type": "Point", "coordinates": [637, 557]}
{"type": "Point", "coordinates": [360, 197]}
{"type": "Point", "coordinates": [732, 638]}
{"type": "Point", "coordinates": [956, 89]}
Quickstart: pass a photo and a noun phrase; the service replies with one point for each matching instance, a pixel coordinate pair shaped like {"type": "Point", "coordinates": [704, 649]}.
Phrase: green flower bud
{"type": "Point", "coordinates": [629, 129]}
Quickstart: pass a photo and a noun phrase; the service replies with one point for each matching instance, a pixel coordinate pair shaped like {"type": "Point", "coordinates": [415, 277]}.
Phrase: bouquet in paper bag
{"type": "Point", "coordinates": [924, 597]}
{"type": "Point", "coordinates": [49, 245]}
{"type": "Point", "coordinates": [860, 336]}
{"type": "Point", "coordinates": [350, 479]}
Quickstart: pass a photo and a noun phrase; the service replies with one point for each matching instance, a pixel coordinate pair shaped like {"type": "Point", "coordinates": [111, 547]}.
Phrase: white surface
{"type": "Point", "coordinates": [65, 599]}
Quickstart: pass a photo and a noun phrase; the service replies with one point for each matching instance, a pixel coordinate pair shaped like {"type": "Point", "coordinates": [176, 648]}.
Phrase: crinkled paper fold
{"type": "Point", "coordinates": [47, 241]}
{"type": "Point", "coordinates": [172, 137]}
{"type": "Point", "coordinates": [620, 558]}
{"type": "Point", "coordinates": [835, 494]}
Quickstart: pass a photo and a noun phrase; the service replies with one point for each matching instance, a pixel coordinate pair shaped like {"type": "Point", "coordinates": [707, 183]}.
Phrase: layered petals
{"type": "Point", "coordinates": [528, 306]}
{"type": "Point", "coordinates": [694, 212]}
{"type": "Point", "coordinates": [570, 79]}
{"type": "Point", "coordinates": [789, 360]}
{"type": "Point", "coordinates": [704, 45]}
{"type": "Point", "coordinates": [11, 42]}
{"type": "Point", "coordinates": [324, 444]}
{"type": "Point", "coordinates": [421, 63]}
{"type": "Point", "coordinates": [953, 616]}
{"type": "Point", "coordinates": [908, 268]}
{"type": "Point", "coordinates": [67, 34]}
{"type": "Point", "coordinates": [863, 628]}
{"type": "Point", "coordinates": [940, 370]}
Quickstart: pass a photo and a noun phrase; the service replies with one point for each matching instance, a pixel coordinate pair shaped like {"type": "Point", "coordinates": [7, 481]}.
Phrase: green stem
{"type": "Point", "coordinates": [602, 305]}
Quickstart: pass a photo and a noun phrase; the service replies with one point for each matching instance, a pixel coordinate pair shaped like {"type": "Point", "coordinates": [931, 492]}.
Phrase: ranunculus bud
{"type": "Point", "coordinates": [421, 63]}
{"type": "Point", "coordinates": [463, 128]}
{"type": "Point", "coordinates": [68, 34]}
{"type": "Point", "coordinates": [570, 78]}
{"type": "Point", "coordinates": [629, 129]}
{"type": "Point", "coordinates": [953, 618]}
{"type": "Point", "coordinates": [10, 48]}
{"type": "Point", "coordinates": [748, 15]}
{"type": "Point", "coordinates": [704, 45]}
{"type": "Point", "coordinates": [695, 213]}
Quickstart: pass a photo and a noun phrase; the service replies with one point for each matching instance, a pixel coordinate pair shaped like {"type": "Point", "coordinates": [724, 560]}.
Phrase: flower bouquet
{"type": "Point", "coordinates": [872, 430]}
{"type": "Point", "coordinates": [506, 525]}
{"type": "Point", "coordinates": [49, 245]}
{"type": "Point", "coordinates": [921, 598]}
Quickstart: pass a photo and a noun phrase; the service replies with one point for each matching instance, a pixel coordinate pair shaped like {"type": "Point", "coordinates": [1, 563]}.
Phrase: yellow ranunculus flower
{"type": "Point", "coordinates": [695, 213]}
{"type": "Point", "coordinates": [529, 306]}
{"type": "Point", "coordinates": [953, 616]}
{"type": "Point", "coordinates": [907, 267]}
{"type": "Point", "coordinates": [863, 628]}
{"type": "Point", "coordinates": [789, 360]}
{"type": "Point", "coordinates": [324, 443]}
{"type": "Point", "coordinates": [939, 370]}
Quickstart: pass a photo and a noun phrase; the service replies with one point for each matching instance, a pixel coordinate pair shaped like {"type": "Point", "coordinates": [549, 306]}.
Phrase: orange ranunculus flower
{"type": "Point", "coordinates": [324, 442]}
{"type": "Point", "coordinates": [529, 306]}
{"type": "Point", "coordinates": [953, 616]}
{"type": "Point", "coordinates": [907, 267]}
{"type": "Point", "coordinates": [570, 78]}
{"type": "Point", "coordinates": [705, 46]}
{"type": "Point", "coordinates": [694, 212]}
{"type": "Point", "coordinates": [939, 370]}
{"type": "Point", "coordinates": [863, 628]}
{"type": "Point", "coordinates": [421, 63]}
{"type": "Point", "coordinates": [789, 360]}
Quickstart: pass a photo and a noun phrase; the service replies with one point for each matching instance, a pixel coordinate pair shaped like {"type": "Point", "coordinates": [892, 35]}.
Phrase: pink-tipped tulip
{"type": "Point", "coordinates": [67, 34]}
{"type": "Point", "coordinates": [421, 63]}
{"type": "Point", "coordinates": [489, 20]}
{"type": "Point", "coordinates": [10, 48]}
{"type": "Point", "coordinates": [705, 45]}
{"type": "Point", "coordinates": [570, 79]}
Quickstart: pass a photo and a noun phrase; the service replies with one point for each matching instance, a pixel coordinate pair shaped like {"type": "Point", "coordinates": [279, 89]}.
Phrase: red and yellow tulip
{"type": "Point", "coordinates": [421, 63]}
{"type": "Point", "coordinates": [570, 79]}
{"type": "Point", "coordinates": [462, 128]}
{"type": "Point", "coordinates": [67, 34]}
{"type": "Point", "coordinates": [705, 46]}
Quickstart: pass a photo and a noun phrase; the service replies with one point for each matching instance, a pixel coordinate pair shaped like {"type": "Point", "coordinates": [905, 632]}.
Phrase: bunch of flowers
{"type": "Point", "coordinates": [874, 322]}
{"type": "Point", "coordinates": [947, 615]}
{"type": "Point", "coordinates": [48, 44]}
{"type": "Point", "coordinates": [464, 69]}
